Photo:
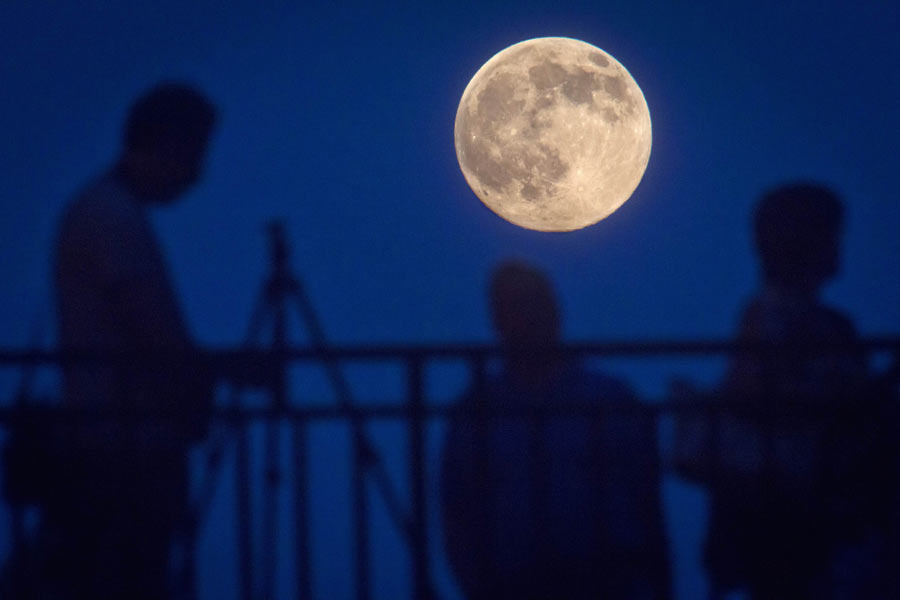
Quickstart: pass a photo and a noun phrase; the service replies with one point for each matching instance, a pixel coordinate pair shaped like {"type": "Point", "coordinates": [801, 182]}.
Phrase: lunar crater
{"type": "Point", "coordinates": [599, 59]}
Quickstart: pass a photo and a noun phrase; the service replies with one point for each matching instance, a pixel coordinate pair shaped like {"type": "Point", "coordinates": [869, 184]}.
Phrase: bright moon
{"type": "Point", "coordinates": [553, 134]}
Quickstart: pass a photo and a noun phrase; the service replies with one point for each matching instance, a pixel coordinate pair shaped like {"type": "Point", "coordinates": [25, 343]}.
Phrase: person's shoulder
{"type": "Point", "coordinates": [837, 321]}
{"type": "Point", "coordinates": [102, 208]}
{"type": "Point", "coordinates": [770, 315]}
{"type": "Point", "coordinates": [105, 199]}
{"type": "Point", "coordinates": [763, 316]}
{"type": "Point", "coordinates": [109, 192]}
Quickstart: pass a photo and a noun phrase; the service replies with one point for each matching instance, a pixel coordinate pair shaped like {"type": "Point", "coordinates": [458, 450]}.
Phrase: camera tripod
{"type": "Point", "coordinates": [281, 293]}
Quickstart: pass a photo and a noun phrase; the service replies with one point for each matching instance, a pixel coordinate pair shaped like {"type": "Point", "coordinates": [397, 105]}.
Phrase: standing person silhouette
{"type": "Point", "coordinates": [546, 506]}
{"type": "Point", "coordinates": [799, 460]}
{"type": "Point", "coordinates": [108, 528]}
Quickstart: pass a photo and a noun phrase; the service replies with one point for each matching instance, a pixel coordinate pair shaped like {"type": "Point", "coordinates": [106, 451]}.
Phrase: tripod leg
{"type": "Point", "coordinates": [365, 458]}
{"type": "Point", "coordinates": [363, 454]}
{"type": "Point", "coordinates": [214, 457]}
{"type": "Point", "coordinates": [221, 435]}
{"type": "Point", "coordinates": [270, 508]}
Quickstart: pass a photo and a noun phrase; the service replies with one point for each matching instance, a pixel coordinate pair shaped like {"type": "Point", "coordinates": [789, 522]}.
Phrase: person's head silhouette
{"type": "Point", "coordinates": [523, 307]}
{"type": "Point", "coordinates": [797, 229]}
{"type": "Point", "coordinates": [164, 141]}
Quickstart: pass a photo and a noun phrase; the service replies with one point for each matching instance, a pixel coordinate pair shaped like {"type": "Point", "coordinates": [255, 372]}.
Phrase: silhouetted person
{"type": "Point", "coordinates": [565, 507]}
{"type": "Point", "coordinates": [798, 485]}
{"type": "Point", "coordinates": [108, 527]}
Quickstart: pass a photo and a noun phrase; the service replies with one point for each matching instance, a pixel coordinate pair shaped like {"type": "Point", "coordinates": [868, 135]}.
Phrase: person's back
{"type": "Point", "coordinates": [544, 504]}
{"type": "Point", "coordinates": [794, 456]}
{"type": "Point", "coordinates": [110, 279]}
{"type": "Point", "coordinates": [568, 505]}
{"type": "Point", "coordinates": [771, 526]}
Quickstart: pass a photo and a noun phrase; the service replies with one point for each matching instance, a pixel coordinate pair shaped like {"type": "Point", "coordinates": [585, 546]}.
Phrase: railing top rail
{"type": "Point", "coordinates": [66, 415]}
{"type": "Point", "coordinates": [453, 350]}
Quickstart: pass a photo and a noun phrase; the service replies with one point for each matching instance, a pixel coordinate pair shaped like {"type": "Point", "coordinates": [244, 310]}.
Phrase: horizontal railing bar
{"type": "Point", "coordinates": [389, 352]}
{"type": "Point", "coordinates": [803, 407]}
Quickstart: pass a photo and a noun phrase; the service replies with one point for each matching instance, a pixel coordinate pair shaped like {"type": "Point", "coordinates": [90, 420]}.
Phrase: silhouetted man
{"type": "Point", "coordinates": [795, 493]}
{"type": "Point", "coordinates": [553, 505]}
{"type": "Point", "coordinates": [108, 529]}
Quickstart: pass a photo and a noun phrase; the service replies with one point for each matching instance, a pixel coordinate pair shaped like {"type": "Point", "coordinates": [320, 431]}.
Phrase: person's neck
{"type": "Point", "coordinates": [801, 289]}
{"type": "Point", "coordinates": [532, 368]}
{"type": "Point", "coordinates": [130, 178]}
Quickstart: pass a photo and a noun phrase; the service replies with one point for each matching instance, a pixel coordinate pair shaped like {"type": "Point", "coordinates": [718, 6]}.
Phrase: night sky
{"type": "Point", "coordinates": [340, 120]}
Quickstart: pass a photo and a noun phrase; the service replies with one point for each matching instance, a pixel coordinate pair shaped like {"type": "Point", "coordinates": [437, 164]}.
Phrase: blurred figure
{"type": "Point", "coordinates": [121, 487]}
{"type": "Point", "coordinates": [798, 468]}
{"type": "Point", "coordinates": [542, 505]}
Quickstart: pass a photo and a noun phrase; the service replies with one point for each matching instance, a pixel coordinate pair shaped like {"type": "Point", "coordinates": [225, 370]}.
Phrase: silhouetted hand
{"type": "Point", "coordinates": [249, 369]}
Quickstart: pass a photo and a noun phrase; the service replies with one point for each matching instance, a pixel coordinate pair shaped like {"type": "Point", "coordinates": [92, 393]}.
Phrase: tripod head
{"type": "Point", "coordinates": [278, 246]}
{"type": "Point", "coordinates": [281, 282]}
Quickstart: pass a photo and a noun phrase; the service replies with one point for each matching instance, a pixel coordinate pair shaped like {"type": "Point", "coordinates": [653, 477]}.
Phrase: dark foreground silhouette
{"type": "Point", "coordinates": [565, 506]}
{"type": "Point", "coordinates": [800, 465]}
{"type": "Point", "coordinates": [113, 491]}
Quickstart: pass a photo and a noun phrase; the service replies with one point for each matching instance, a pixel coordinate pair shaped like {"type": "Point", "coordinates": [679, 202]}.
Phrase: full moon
{"type": "Point", "coordinates": [553, 134]}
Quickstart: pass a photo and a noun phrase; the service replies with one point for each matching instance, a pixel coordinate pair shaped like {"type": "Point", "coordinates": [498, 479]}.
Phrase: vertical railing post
{"type": "Point", "coordinates": [278, 391]}
{"type": "Point", "coordinates": [419, 523]}
{"type": "Point", "coordinates": [245, 540]}
{"type": "Point", "coordinates": [301, 509]}
{"type": "Point", "coordinates": [360, 514]}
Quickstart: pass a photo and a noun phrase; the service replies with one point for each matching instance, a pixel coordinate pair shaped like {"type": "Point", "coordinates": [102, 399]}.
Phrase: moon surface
{"type": "Point", "coordinates": [553, 134]}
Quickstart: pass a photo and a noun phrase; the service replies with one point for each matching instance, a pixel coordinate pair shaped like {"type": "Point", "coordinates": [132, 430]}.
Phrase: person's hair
{"type": "Point", "coordinates": [169, 111]}
{"type": "Point", "coordinates": [795, 227]}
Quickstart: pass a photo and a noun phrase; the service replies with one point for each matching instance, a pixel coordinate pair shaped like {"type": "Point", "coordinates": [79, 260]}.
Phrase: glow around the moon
{"type": "Point", "coordinates": [553, 134]}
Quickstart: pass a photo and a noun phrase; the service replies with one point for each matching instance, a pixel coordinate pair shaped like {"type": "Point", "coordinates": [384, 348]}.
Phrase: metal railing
{"type": "Point", "coordinates": [410, 515]}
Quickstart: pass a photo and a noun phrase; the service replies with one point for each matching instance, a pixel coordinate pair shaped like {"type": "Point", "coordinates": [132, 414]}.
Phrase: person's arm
{"type": "Point", "coordinates": [130, 269]}
{"type": "Point", "coordinates": [465, 496]}
{"type": "Point", "coordinates": [627, 453]}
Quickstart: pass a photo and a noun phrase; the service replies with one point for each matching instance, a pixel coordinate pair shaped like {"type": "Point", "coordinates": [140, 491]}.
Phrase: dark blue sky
{"type": "Point", "coordinates": [340, 120]}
